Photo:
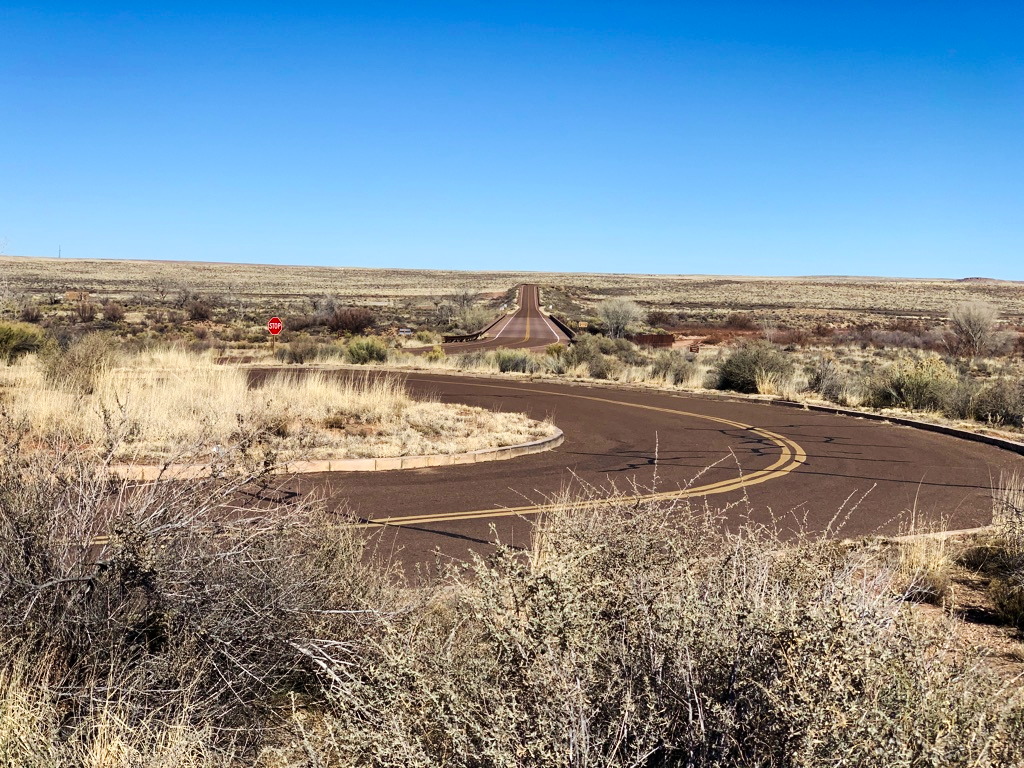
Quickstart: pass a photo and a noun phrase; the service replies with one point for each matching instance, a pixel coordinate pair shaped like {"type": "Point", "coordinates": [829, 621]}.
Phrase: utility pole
{"type": "Point", "coordinates": [58, 252]}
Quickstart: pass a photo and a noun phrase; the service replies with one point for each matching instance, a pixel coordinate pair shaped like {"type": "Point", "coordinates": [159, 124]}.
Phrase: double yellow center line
{"type": "Point", "coordinates": [791, 456]}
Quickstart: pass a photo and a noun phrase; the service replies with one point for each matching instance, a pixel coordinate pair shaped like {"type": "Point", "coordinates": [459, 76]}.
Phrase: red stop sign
{"type": "Point", "coordinates": [274, 325]}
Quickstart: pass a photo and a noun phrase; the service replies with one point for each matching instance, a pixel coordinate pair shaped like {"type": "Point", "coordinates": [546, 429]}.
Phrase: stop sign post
{"type": "Point", "coordinates": [274, 325]}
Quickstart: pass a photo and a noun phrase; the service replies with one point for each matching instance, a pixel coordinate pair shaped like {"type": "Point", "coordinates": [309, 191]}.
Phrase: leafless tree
{"type": "Point", "coordinates": [973, 325]}
{"type": "Point", "coordinates": [618, 315]}
{"type": "Point", "coordinates": [463, 300]}
{"type": "Point", "coordinates": [768, 328]}
{"type": "Point", "coordinates": [161, 287]}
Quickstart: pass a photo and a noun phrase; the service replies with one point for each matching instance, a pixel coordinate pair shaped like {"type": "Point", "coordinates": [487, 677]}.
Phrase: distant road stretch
{"type": "Point", "coordinates": [527, 328]}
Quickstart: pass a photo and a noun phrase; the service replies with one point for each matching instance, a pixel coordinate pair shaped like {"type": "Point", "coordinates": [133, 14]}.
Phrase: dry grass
{"type": "Point", "coordinates": [630, 636]}
{"type": "Point", "coordinates": [171, 404]}
{"type": "Point", "coordinates": [799, 302]}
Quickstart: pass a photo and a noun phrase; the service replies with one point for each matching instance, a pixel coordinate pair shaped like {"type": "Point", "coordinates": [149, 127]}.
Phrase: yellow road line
{"type": "Point", "coordinates": [792, 455]}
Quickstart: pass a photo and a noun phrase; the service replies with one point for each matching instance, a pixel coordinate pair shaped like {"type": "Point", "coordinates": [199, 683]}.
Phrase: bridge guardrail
{"type": "Point", "coordinates": [451, 339]}
{"type": "Point", "coordinates": [563, 326]}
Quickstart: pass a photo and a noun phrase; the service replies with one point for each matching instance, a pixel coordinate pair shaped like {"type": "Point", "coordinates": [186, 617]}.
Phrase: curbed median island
{"type": "Point", "coordinates": [298, 467]}
{"type": "Point", "coordinates": [176, 414]}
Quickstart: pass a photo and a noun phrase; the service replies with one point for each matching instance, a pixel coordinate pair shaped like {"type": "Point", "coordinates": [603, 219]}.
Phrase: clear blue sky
{"type": "Point", "coordinates": [755, 138]}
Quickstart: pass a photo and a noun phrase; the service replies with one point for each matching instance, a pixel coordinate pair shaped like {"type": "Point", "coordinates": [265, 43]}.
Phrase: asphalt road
{"type": "Point", "coordinates": [802, 470]}
{"type": "Point", "coordinates": [527, 328]}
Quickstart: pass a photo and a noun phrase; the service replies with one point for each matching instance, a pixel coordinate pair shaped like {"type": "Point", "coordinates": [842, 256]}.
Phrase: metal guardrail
{"type": "Point", "coordinates": [454, 339]}
{"type": "Point", "coordinates": [653, 339]}
{"type": "Point", "coordinates": [563, 326]}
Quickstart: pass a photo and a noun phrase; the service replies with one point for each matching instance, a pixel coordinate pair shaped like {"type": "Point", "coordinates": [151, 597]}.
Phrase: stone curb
{"type": "Point", "coordinates": [146, 472]}
{"type": "Point", "coordinates": [942, 429]}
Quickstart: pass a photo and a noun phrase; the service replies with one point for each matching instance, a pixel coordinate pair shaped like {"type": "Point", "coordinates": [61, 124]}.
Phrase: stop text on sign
{"type": "Point", "coordinates": [274, 325]}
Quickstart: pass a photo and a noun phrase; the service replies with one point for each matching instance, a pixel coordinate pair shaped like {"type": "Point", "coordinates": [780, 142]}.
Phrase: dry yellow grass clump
{"type": "Point", "coordinates": [173, 405]}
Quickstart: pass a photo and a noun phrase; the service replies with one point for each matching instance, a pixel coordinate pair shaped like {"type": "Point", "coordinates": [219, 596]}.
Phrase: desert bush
{"type": "Point", "coordinates": [622, 350]}
{"type": "Point", "coordinates": [474, 360]}
{"type": "Point", "coordinates": [472, 319]}
{"type": "Point", "coordinates": [436, 354]}
{"type": "Point", "coordinates": [659, 318]}
{"type": "Point", "coordinates": [78, 366]}
{"type": "Point", "coordinates": [18, 339]}
{"type": "Point", "coordinates": [922, 568]}
{"type": "Point", "coordinates": [1001, 402]}
{"type": "Point", "coordinates": [199, 310]}
{"type": "Point", "coordinates": [165, 614]}
{"type": "Point", "coordinates": [827, 379]}
{"type": "Point", "coordinates": [85, 312]}
{"type": "Point", "coordinates": [515, 361]}
{"type": "Point", "coordinates": [1007, 585]}
{"type": "Point", "coordinates": [353, 320]}
{"type": "Point", "coordinates": [427, 337]}
{"type": "Point", "coordinates": [961, 401]}
{"type": "Point", "coordinates": [738, 321]}
{"type": "Point", "coordinates": [300, 322]}
{"type": "Point", "coordinates": [554, 363]}
{"type": "Point", "coordinates": [755, 359]}
{"type": "Point", "coordinates": [113, 312]}
{"type": "Point", "coordinates": [601, 357]}
{"type": "Point", "coordinates": [674, 367]}
{"type": "Point", "coordinates": [624, 639]}
{"type": "Point", "coordinates": [918, 383]}
{"type": "Point", "coordinates": [298, 351]}
{"type": "Point", "coordinates": [30, 313]}
{"type": "Point", "coordinates": [364, 351]}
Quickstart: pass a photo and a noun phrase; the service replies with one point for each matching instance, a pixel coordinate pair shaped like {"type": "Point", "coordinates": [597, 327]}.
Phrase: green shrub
{"type": "Point", "coordinates": [920, 383]}
{"type": "Point", "coordinates": [553, 364]}
{"type": "Point", "coordinates": [754, 361]}
{"type": "Point", "coordinates": [515, 361]}
{"type": "Point", "coordinates": [473, 319]}
{"type": "Point", "coordinates": [363, 351]}
{"type": "Point", "coordinates": [603, 367]}
{"type": "Point", "coordinates": [298, 352]}
{"type": "Point", "coordinates": [582, 350]}
{"type": "Point", "coordinates": [17, 339]}
{"type": "Point", "coordinates": [555, 350]}
{"type": "Point", "coordinates": [602, 357]}
{"type": "Point", "coordinates": [962, 398]}
{"type": "Point", "coordinates": [622, 350]}
{"type": "Point", "coordinates": [1001, 402]}
{"type": "Point", "coordinates": [673, 366]}
{"type": "Point", "coordinates": [435, 355]}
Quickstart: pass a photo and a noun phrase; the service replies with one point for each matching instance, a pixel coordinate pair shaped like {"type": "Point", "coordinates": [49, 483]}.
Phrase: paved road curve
{"type": "Point", "coordinates": [805, 470]}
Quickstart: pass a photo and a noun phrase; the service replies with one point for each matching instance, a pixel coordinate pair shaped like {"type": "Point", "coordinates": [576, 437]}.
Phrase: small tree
{"type": "Point", "coordinates": [618, 315]}
{"type": "Point", "coordinates": [973, 325]}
